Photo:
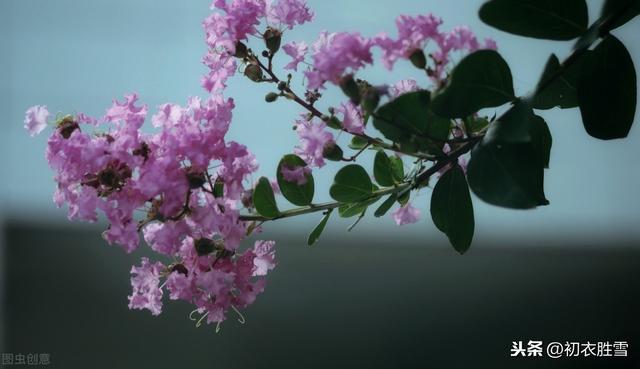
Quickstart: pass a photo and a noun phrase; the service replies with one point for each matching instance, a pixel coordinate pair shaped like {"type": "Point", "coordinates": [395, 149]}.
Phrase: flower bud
{"type": "Point", "coordinates": [418, 59]}
{"type": "Point", "coordinates": [196, 179]}
{"type": "Point", "coordinates": [241, 50]}
{"type": "Point", "coordinates": [350, 88]}
{"type": "Point", "coordinates": [271, 97]}
{"type": "Point", "coordinates": [180, 268]}
{"type": "Point", "coordinates": [272, 38]}
{"type": "Point", "coordinates": [204, 246]}
{"type": "Point", "coordinates": [247, 199]}
{"type": "Point", "coordinates": [371, 100]}
{"type": "Point", "coordinates": [333, 152]}
{"type": "Point", "coordinates": [253, 72]}
{"type": "Point", "coordinates": [67, 125]}
{"type": "Point", "coordinates": [282, 85]}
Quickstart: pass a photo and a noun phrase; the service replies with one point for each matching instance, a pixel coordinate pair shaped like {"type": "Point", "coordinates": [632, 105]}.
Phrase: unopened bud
{"type": "Point", "coordinates": [333, 152]}
{"type": "Point", "coordinates": [371, 100]}
{"type": "Point", "coordinates": [253, 72]}
{"type": "Point", "coordinates": [271, 97]}
{"type": "Point", "coordinates": [272, 38]}
{"type": "Point", "coordinates": [418, 59]}
{"type": "Point", "coordinates": [282, 85]}
{"type": "Point", "coordinates": [350, 88]}
{"type": "Point", "coordinates": [205, 246]}
{"type": "Point", "coordinates": [241, 50]}
{"type": "Point", "coordinates": [67, 125]}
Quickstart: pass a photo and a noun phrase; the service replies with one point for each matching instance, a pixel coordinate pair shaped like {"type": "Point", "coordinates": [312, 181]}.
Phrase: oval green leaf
{"type": "Point", "coordinates": [548, 19]}
{"type": "Point", "coordinates": [263, 199]}
{"type": "Point", "coordinates": [452, 209]}
{"type": "Point", "coordinates": [317, 231]}
{"type": "Point", "coordinates": [382, 170]}
{"type": "Point", "coordinates": [481, 80]}
{"type": "Point", "coordinates": [351, 184]}
{"type": "Point", "coordinates": [300, 195]}
{"type": "Point", "coordinates": [607, 91]}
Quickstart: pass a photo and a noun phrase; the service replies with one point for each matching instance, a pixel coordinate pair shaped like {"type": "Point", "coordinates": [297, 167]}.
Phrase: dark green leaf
{"type": "Point", "coordinates": [218, 188]}
{"type": "Point", "coordinates": [397, 167]}
{"type": "Point", "coordinates": [300, 195]}
{"type": "Point", "coordinates": [358, 143]}
{"type": "Point", "coordinates": [507, 167]}
{"type": "Point", "coordinates": [562, 91]}
{"type": "Point", "coordinates": [607, 91]}
{"type": "Point", "coordinates": [317, 231]}
{"type": "Point", "coordinates": [409, 121]}
{"type": "Point", "coordinates": [263, 199]}
{"type": "Point", "coordinates": [481, 80]}
{"type": "Point", "coordinates": [404, 198]}
{"type": "Point", "coordinates": [386, 205]}
{"type": "Point", "coordinates": [547, 19]}
{"type": "Point", "coordinates": [628, 9]}
{"type": "Point", "coordinates": [452, 209]}
{"type": "Point", "coordinates": [476, 124]}
{"type": "Point", "coordinates": [353, 209]}
{"type": "Point", "coordinates": [382, 170]}
{"type": "Point", "coordinates": [352, 226]}
{"type": "Point", "coordinates": [351, 184]}
{"type": "Point", "coordinates": [541, 139]}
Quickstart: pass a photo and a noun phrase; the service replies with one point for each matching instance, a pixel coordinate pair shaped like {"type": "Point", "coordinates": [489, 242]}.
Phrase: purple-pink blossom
{"type": "Point", "coordinates": [313, 140]}
{"type": "Point", "coordinates": [297, 51]}
{"type": "Point", "coordinates": [406, 214]}
{"type": "Point", "coordinates": [352, 117]}
{"type": "Point", "coordinates": [35, 120]}
{"type": "Point", "coordinates": [336, 54]}
{"type": "Point", "coordinates": [297, 175]}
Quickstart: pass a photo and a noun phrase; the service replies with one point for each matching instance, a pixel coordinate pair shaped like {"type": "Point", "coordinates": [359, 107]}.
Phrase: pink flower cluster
{"type": "Point", "coordinates": [121, 170]}
{"type": "Point", "coordinates": [213, 284]}
{"type": "Point", "coordinates": [235, 22]}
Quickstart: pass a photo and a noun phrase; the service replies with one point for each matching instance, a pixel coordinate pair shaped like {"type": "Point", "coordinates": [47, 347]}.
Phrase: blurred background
{"type": "Point", "coordinates": [379, 296]}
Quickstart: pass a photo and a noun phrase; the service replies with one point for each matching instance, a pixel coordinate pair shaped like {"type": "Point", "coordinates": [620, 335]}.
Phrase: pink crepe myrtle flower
{"type": "Point", "coordinates": [296, 175]}
{"type": "Point", "coordinates": [297, 52]}
{"type": "Point", "coordinates": [413, 35]}
{"type": "Point", "coordinates": [146, 287]}
{"type": "Point", "coordinates": [336, 54]}
{"type": "Point", "coordinates": [313, 141]}
{"type": "Point", "coordinates": [406, 214]}
{"type": "Point", "coordinates": [352, 117]}
{"type": "Point", "coordinates": [403, 87]}
{"type": "Point", "coordinates": [35, 120]}
{"type": "Point", "coordinates": [288, 12]}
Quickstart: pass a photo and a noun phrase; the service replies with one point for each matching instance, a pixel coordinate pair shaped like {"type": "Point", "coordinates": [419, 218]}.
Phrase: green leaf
{"type": "Point", "coordinates": [476, 124]}
{"type": "Point", "coordinates": [353, 209]}
{"type": "Point", "coordinates": [541, 139]}
{"type": "Point", "coordinates": [382, 170]}
{"type": "Point", "coordinates": [358, 143]}
{"type": "Point", "coordinates": [218, 188]}
{"type": "Point", "coordinates": [351, 184]}
{"type": "Point", "coordinates": [607, 91]}
{"type": "Point", "coordinates": [546, 19]}
{"type": "Point", "coordinates": [629, 8]}
{"type": "Point", "coordinates": [481, 80]}
{"type": "Point", "coordinates": [409, 121]}
{"type": "Point", "coordinates": [507, 167]}
{"type": "Point", "coordinates": [300, 195]}
{"type": "Point", "coordinates": [397, 167]}
{"type": "Point", "coordinates": [317, 231]}
{"type": "Point", "coordinates": [562, 91]}
{"type": "Point", "coordinates": [452, 209]}
{"type": "Point", "coordinates": [352, 226]}
{"type": "Point", "coordinates": [386, 205]}
{"type": "Point", "coordinates": [263, 199]}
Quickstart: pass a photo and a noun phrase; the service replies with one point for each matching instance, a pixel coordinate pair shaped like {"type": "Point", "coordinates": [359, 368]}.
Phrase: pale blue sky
{"type": "Point", "coordinates": [79, 55]}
